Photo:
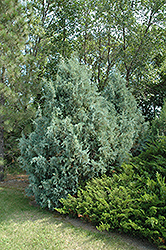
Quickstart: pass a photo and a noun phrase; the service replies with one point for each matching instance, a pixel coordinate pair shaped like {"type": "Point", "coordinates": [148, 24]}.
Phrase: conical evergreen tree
{"type": "Point", "coordinates": [79, 133]}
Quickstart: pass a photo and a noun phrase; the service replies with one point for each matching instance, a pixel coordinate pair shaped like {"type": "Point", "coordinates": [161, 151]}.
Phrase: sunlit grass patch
{"type": "Point", "coordinates": [24, 227]}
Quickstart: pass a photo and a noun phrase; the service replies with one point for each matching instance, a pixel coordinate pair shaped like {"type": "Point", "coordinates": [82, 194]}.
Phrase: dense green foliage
{"type": "Point", "coordinates": [126, 202]}
{"type": "Point", "coordinates": [13, 35]}
{"type": "Point", "coordinates": [79, 133]}
{"type": "Point", "coordinates": [153, 159]}
{"type": "Point", "coordinates": [133, 201]}
{"type": "Point", "coordinates": [17, 69]}
{"type": "Point", "coordinates": [87, 121]}
{"type": "Point", "coordinates": [128, 35]}
{"type": "Point", "coordinates": [158, 127]}
{"type": "Point", "coordinates": [153, 139]}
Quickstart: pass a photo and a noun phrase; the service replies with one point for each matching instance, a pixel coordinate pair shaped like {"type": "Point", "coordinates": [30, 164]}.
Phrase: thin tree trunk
{"type": "Point", "coordinates": [1, 150]}
{"type": "Point", "coordinates": [2, 132]}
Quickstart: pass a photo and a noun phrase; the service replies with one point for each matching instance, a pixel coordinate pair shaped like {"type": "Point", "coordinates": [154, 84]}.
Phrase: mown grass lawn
{"type": "Point", "coordinates": [23, 226]}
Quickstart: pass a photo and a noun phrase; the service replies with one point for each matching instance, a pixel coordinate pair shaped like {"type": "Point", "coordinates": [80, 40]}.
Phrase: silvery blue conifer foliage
{"type": "Point", "coordinates": [79, 133]}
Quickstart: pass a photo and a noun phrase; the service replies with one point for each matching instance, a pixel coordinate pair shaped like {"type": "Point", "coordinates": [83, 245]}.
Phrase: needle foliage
{"type": "Point", "coordinates": [79, 133]}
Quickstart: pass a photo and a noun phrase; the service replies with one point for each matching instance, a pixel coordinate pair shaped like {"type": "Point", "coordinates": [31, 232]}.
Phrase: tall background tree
{"type": "Point", "coordinates": [19, 67]}
{"type": "Point", "coordinates": [12, 38]}
{"type": "Point", "coordinates": [129, 35]}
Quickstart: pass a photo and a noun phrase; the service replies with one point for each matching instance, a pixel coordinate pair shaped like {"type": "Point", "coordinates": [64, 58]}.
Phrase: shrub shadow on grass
{"type": "Point", "coordinates": [25, 226]}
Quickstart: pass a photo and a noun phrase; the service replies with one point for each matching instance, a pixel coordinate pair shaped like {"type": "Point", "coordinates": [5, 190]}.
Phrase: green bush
{"type": "Point", "coordinates": [126, 202]}
{"type": "Point", "coordinates": [78, 134]}
{"type": "Point", "coordinates": [152, 160]}
{"type": "Point", "coordinates": [158, 127]}
{"type": "Point", "coordinates": [156, 131]}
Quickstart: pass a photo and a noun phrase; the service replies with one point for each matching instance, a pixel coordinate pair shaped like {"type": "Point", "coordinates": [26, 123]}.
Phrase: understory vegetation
{"type": "Point", "coordinates": [127, 202]}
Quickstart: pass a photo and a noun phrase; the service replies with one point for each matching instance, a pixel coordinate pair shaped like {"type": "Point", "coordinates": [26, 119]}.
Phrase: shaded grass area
{"type": "Point", "coordinates": [23, 226]}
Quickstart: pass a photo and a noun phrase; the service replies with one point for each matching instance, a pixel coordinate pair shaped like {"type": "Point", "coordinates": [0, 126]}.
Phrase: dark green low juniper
{"type": "Point", "coordinates": [126, 202]}
{"type": "Point", "coordinates": [153, 159]}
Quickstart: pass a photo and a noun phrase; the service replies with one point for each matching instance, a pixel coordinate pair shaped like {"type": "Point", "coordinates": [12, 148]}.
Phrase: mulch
{"type": "Point", "coordinates": [19, 181]}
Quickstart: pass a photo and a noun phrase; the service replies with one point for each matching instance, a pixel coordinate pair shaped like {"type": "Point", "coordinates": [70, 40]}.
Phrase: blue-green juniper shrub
{"type": "Point", "coordinates": [79, 133]}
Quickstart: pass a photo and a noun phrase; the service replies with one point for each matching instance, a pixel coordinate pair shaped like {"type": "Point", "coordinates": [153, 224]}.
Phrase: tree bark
{"type": "Point", "coordinates": [1, 150]}
{"type": "Point", "coordinates": [2, 132]}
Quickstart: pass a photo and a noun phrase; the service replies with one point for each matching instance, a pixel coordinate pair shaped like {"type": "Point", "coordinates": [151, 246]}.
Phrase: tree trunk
{"type": "Point", "coordinates": [1, 150]}
{"type": "Point", "coordinates": [2, 132]}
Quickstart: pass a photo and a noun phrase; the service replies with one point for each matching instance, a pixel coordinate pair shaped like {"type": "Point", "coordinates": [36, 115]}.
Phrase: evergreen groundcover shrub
{"type": "Point", "coordinates": [152, 140]}
{"type": "Point", "coordinates": [153, 159]}
{"type": "Point", "coordinates": [79, 133]}
{"type": "Point", "coordinates": [126, 202]}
